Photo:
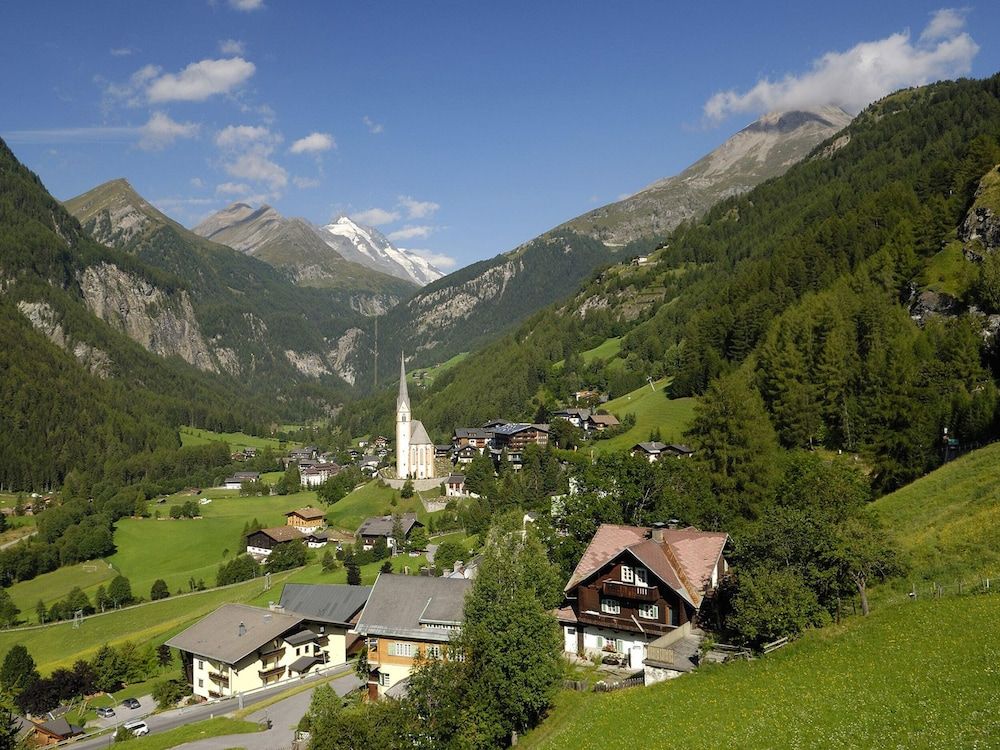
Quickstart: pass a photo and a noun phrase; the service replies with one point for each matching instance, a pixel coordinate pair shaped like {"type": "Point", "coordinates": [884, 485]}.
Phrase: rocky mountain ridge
{"type": "Point", "coordinates": [369, 247]}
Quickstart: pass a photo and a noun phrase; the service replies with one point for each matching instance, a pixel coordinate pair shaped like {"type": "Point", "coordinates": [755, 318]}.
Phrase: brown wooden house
{"type": "Point", "coordinates": [515, 436]}
{"type": "Point", "coordinates": [635, 584]}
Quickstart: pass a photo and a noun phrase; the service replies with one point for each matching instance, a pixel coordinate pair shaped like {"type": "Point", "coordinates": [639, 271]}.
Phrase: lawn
{"type": "Point", "coordinates": [372, 500]}
{"type": "Point", "coordinates": [62, 644]}
{"type": "Point", "coordinates": [236, 440]}
{"type": "Point", "coordinates": [917, 675]}
{"type": "Point", "coordinates": [948, 522]}
{"type": "Point", "coordinates": [50, 587]}
{"type": "Point", "coordinates": [218, 727]}
{"type": "Point", "coordinates": [428, 374]}
{"type": "Point", "coordinates": [652, 409]}
{"type": "Point", "coordinates": [608, 349]}
{"type": "Point", "coordinates": [177, 550]}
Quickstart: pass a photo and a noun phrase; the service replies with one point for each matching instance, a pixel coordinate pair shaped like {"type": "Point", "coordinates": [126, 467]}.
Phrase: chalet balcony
{"type": "Point", "coordinates": [629, 591]}
{"type": "Point", "coordinates": [215, 694]}
{"type": "Point", "coordinates": [219, 677]}
{"type": "Point", "coordinates": [625, 623]}
{"type": "Point", "coordinates": [274, 654]}
{"type": "Point", "coordinates": [265, 673]}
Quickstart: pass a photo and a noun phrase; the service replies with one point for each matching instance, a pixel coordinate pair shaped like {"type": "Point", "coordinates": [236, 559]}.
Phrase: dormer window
{"type": "Point", "coordinates": [640, 577]}
{"type": "Point", "coordinates": [628, 574]}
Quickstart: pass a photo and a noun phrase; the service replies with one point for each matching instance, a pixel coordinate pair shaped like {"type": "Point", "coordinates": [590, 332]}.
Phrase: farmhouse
{"type": "Point", "coordinates": [260, 543]}
{"type": "Point", "coordinates": [408, 617]}
{"type": "Point", "coordinates": [306, 519]}
{"type": "Point", "coordinates": [637, 590]}
{"type": "Point", "coordinates": [601, 422]}
{"type": "Point", "coordinates": [315, 539]}
{"type": "Point", "coordinates": [238, 648]}
{"type": "Point", "coordinates": [516, 435]}
{"type": "Point", "coordinates": [236, 480]}
{"type": "Point", "coordinates": [328, 609]}
{"type": "Point", "coordinates": [381, 526]}
{"type": "Point", "coordinates": [576, 417]}
{"type": "Point", "coordinates": [654, 450]}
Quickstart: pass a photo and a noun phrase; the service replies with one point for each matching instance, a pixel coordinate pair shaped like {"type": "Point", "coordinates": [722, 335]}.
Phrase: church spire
{"type": "Point", "coordinates": [404, 397]}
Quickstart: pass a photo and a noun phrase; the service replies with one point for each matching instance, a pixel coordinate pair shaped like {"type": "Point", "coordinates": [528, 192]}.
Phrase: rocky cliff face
{"type": "Point", "coordinates": [980, 232]}
{"type": "Point", "coordinates": [45, 320]}
{"type": "Point", "coordinates": [164, 325]}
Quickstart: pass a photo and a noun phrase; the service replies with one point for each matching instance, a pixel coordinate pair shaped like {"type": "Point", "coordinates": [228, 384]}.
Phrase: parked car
{"type": "Point", "coordinates": [132, 703]}
{"type": "Point", "coordinates": [105, 713]}
{"type": "Point", "coordinates": [137, 727]}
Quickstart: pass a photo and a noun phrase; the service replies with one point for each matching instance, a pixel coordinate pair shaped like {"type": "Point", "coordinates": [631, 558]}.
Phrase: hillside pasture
{"type": "Point", "coordinates": [235, 440]}
{"type": "Point", "coordinates": [896, 679]}
{"type": "Point", "coordinates": [51, 587]}
{"type": "Point", "coordinates": [652, 410]}
{"type": "Point", "coordinates": [947, 523]}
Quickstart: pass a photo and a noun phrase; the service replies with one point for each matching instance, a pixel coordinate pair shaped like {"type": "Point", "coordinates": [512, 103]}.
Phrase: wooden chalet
{"type": "Point", "coordinates": [306, 519]}
{"type": "Point", "coordinates": [601, 422]}
{"type": "Point", "coordinates": [635, 585]}
{"type": "Point", "coordinates": [515, 436]}
{"type": "Point", "coordinates": [381, 526]}
{"type": "Point", "coordinates": [262, 542]}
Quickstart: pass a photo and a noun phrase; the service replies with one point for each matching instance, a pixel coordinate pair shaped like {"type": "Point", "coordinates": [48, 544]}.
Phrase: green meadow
{"type": "Point", "coordinates": [652, 410]}
{"type": "Point", "coordinates": [947, 524]}
{"type": "Point", "coordinates": [236, 440]}
{"type": "Point", "coordinates": [917, 675]}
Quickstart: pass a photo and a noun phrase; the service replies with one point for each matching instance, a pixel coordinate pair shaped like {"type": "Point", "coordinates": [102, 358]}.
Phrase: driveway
{"type": "Point", "coordinates": [284, 717]}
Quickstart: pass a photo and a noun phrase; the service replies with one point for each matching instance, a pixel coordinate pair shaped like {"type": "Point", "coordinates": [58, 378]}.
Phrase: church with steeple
{"type": "Point", "coordinates": [414, 449]}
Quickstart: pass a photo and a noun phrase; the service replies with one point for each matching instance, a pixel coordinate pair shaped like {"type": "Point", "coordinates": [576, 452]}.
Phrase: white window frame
{"type": "Point", "coordinates": [433, 652]}
{"type": "Point", "coordinates": [641, 577]}
{"type": "Point", "coordinates": [610, 606]}
{"type": "Point", "coordinates": [628, 574]}
{"type": "Point", "coordinates": [383, 679]}
{"type": "Point", "coordinates": [649, 611]}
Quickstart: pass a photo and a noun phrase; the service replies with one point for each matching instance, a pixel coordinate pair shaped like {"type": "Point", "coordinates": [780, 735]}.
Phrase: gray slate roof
{"type": "Point", "coordinates": [216, 636]}
{"type": "Point", "coordinates": [382, 525]}
{"type": "Point", "coordinates": [418, 434]}
{"type": "Point", "coordinates": [335, 604]}
{"type": "Point", "coordinates": [403, 606]}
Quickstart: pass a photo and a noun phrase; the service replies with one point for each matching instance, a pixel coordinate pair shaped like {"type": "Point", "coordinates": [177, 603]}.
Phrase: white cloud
{"type": "Point", "coordinates": [197, 183]}
{"type": "Point", "coordinates": [121, 51]}
{"type": "Point", "coordinates": [373, 127]}
{"type": "Point", "coordinates": [232, 47]}
{"type": "Point", "coordinates": [233, 188]}
{"type": "Point", "coordinates": [128, 92]}
{"type": "Point", "coordinates": [160, 131]}
{"type": "Point", "coordinates": [376, 217]}
{"type": "Point", "coordinates": [240, 136]}
{"type": "Point", "coordinates": [304, 183]}
{"type": "Point", "coordinates": [313, 143]}
{"type": "Point", "coordinates": [257, 167]}
{"type": "Point", "coordinates": [200, 80]}
{"type": "Point", "coordinates": [439, 260]}
{"type": "Point", "coordinates": [856, 77]}
{"type": "Point", "coordinates": [417, 209]}
{"type": "Point", "coordinates": [944, 24]}
{"type": "Point", "coordinates": [246, 5]}
{"type": "Point", "coordinates": [410, 232]}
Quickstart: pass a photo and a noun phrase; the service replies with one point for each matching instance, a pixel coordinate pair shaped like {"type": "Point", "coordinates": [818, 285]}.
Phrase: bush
{"type": "Point", "coordinates": [168, 693]}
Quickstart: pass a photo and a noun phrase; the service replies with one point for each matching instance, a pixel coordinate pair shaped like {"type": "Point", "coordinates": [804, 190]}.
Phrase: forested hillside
{"type": "Point", "coordinates": [825, 286]}
{"type": "Point", "coordinates": [76, 393]}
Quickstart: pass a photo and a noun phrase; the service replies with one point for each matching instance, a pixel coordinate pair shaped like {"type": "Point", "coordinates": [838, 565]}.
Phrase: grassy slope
{"type": "Point", "coordinates": [430, 373]}
{"type": "Point", "coordinates": [236, 440]}
{"type": "Point", "coordinates": [950, 272]}
{"type": "Point", "coordinates": [652, 409]}
{"type": "Point", "coordinates": [218, 727]}
{"type": "Point", "coordinates": [897, 679]}
{"type": "Point", "coordinates": [51, 587]}
{"type": "Point", "coordinates": [948, 522]}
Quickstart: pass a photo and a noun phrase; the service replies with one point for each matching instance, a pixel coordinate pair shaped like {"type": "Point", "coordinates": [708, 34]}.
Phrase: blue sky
{"type": "Point", "coordinates": [461, 128]}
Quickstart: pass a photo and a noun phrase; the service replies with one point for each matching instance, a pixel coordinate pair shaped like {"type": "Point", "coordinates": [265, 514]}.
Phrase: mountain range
{"type": "Point", "coordinates": [472, 306]}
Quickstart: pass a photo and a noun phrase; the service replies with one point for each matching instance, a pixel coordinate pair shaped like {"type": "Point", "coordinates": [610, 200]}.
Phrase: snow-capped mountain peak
{"type": "Point", "coordinates": [368, 246]}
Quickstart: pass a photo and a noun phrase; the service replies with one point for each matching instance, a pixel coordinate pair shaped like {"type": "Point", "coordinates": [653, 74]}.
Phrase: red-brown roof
{"type": "Point", "coordinates": [307, 513]}
{"type": "Point", "coordinates": [684, 560]}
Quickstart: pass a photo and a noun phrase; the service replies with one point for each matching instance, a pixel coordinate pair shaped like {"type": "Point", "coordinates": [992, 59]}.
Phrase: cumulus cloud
{"type": "Point", "coordinates": [246, 5]}
{"type": "Point", "coordinates": [232, 47]}
{"type": "Point", "coordinates": [438, 260]}
{"type": "Point", "coordinates": [304, 183]}
{"type": "Point", "coordinates": [240, 136]}
{"type": "Point", "coordinates": [417, 209]}
{"type": "Point", "coordinates": [160, 131]}
{"type": "Point", "coordinates": [257, 167]}
{"type": "Point", "coordinates": [373, 127]}
{"type": "Point", "coordinates": [201, 80]}
{"type": "Point", "coordinates": [854, 78]}
{"type": "Point", "coordinates": [376, 217]}
{"type": "Point", "coordinates": [313, 143]}
{"type": "Point", "coordinates": [410, 232]}
{"type": "Point", "coordinates": [128, 93]}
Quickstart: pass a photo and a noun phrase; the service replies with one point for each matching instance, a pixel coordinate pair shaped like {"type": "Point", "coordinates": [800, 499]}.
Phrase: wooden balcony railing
{"type": "Point", "coordinates": [265, 673]}
{"type": "Point", "coordinates": [222, 679]}
{"type": "Point", "coordinates": [629, 591]}
{"type": "Point", "coordinates": [624, 622]}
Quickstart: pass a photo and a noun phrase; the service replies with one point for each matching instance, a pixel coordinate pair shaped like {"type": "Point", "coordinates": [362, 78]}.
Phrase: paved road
{"type": "Point", "coordinates": [345, 681]}
{"type": "Point", "coordinates": [284, 717]}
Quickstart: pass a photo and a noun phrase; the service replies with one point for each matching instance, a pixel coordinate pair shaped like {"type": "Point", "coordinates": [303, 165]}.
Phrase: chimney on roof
{"type": "Point", "coordinates": [242, 630]}
{"type": "Point", "coordinates": [673, 523]}
{"type": "Point", "coordinates": [656, 532]}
